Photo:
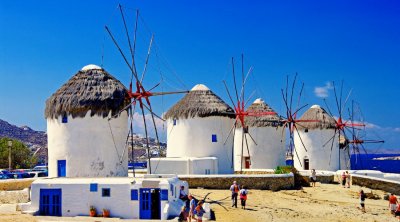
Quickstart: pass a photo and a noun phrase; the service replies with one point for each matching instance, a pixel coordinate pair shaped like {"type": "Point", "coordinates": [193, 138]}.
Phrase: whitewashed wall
{"type": "Point", "coordinates": [267, 154]}
{"type": "Point", "coordinates": [317, 154]}
{"type": "Point", "coordinates": [184, 165]}
{"type": "Point", "coordinates": [77, 198]}
{"type": "Point", "coordinates": [87, 146]}
{"type": "Point", "coordinates": [192, 138]}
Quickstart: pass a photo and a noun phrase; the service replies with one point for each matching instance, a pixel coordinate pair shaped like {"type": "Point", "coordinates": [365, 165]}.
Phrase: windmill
{"type": "Point", "coordinates": [342, 126]}
{"type": "Point", "coordinates": [241, 113]}
{"type": "Point", "coordinates": [355, 144]}
{"type": "Point", "coordinates": [290, 121]}
{"type": "Point", "coordinates": [140, 95]}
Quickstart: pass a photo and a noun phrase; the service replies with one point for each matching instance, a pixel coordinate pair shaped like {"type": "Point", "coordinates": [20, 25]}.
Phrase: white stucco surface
{"type": "Point", "coordinates": [268, 153]}
{"type": "Point", "coordinates": [184, 165]}
{"type": "Point", "coordinates": [193, 138]}
{"type": "Point", "coordinates": [320, 157]}
{"type": "Point", "coordinates": [88, 146]}
{"type": "Point", "coordinates": [119, 203]}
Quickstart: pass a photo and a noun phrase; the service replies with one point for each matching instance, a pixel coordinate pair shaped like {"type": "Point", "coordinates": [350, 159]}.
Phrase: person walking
{"type": "Point", "coordinates": [362, 200]}
{"type": "Point", "coordinates": [235, 190]}
{"type": "Point", "coordinates": [199, 211]}
{"type": "Point", "coordinates": [344, 179]}
{"type": "Point", "coordinates": [192, 207]}
{"type": "Point", "coordinates": [313, 177]}
{"type": "Point", "coordinates": [348, 179]}
{"type": "Point", "coordinates": [243, 196]}
{"type": "Point", "coordinates": [393, 203]}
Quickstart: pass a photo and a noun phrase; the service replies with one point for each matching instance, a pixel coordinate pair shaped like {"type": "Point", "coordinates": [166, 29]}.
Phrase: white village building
{"type": "Point", "coordinates": [269, 150]}
{"type": "Point", "coordinates": [317, 138]}
{"type": "Point", "coordinates": [88, 164]}
{"type": "Point", "coordinates": [198, 126]}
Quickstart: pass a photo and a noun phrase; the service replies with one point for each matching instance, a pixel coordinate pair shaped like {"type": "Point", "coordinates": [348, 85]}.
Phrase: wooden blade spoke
{"type": "Point", "coordinates": [147, 59]}
{"type": "Point", "coordinates": [230, 97]}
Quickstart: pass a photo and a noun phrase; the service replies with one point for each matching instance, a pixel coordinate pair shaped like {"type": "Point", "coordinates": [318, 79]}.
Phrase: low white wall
{"type": "Point", "coordinates": [184, 165]}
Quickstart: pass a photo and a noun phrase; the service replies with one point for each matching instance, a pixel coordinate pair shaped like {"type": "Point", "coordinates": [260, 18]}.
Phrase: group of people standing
{"type": "Point", "coordinates": [193, 209]}
{"type": "Point", "coordinates": [242, 193]}
{"type": "Point", "coordinates": [346, 179]}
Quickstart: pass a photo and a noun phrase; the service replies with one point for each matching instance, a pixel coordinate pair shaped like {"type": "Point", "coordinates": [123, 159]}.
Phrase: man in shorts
{"type": "Point", "coordinates": [192, 206]}
{"type": "Point", "coordinates": [392, 203]}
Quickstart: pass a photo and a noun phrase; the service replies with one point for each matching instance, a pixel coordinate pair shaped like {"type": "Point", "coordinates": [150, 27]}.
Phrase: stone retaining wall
{"type": "Point", "coordinates": [15, 184]}
{"type": "Point", "coordinates": [321, 179]}
{"type": "Point", "coordinates": [272, 182]}
{"type": "Point", "coordinates": [15, 196]}
{"type": "Point", "coordinates": [376, 183]}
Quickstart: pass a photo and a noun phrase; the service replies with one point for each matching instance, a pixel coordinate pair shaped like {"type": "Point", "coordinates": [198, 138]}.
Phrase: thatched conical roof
{"type": "Point", "coordinates": [259, 106]}
{"type": "Point", "coordinates": [199, 102]}
{"type": "Point", "coordinates": [317, 113]}
{"type": "Point", "coordinates": [91, 89]}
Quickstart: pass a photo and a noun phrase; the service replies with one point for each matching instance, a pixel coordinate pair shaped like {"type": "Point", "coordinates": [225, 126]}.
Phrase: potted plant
{"type": "Point", "coordinates": [92, 211]}
{"type": "Point", "coordinates": [106, 213]}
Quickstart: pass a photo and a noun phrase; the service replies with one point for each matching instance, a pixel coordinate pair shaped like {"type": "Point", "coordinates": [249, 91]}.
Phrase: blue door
{"type": "Point", "coordinates": [50, 202]}
{"type": "Point", "coordinates": [61, 165]}
{"type": "Point", "coordinates": [150, 203]}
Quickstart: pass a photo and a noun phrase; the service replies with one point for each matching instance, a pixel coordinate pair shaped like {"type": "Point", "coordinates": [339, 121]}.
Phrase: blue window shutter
{"type": "Point", "coordinates": [65, 119]}
{"type": "Point", "coordinates": [134, 195]}
{"type": "Point", "coordinates": [174, 122]}
{"type": "Point", "coordinates": [214, 138]}
{"type": "Point", "coordinates": [93, 187]}
{"type": "Point", "coordinates": [106, 192]}
{"type": "Point", "coordinates": [164, 194]}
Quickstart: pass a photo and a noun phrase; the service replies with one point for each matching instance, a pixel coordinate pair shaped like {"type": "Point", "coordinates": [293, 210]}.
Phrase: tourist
{"type": "Point", "coordinates": [348, 179]}
{"type": "Point", "coordinates": [362, 200]}
{"type": "Point", "coordinates": [235, 190]}
{"type": "Point", "coordinates": [192, 207]}
{"type": "Point", "coordinates": [344, 179]}
{"type": "Point", "coordinates": [243, 196]}
{"type": "Point", "coordinates": [182, 194]}
{"type": "Point", "coordinates": [313, 177]}
{"type": "Point", "coordinates": [393, 203]}
{"type": "Point", "coordinates": [199, 211]}
{"type": "Point", "coordinates": [183, 215]}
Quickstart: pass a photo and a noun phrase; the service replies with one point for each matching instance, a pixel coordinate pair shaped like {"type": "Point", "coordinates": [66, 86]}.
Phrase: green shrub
{"type": "Point", "coordinates": [283, 169]}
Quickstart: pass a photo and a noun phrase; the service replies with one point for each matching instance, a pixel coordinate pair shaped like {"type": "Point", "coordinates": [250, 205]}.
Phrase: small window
{"type": "Point", "coordinates": [134, 195]}
{"type": "Point", "coordinates": [171, 187]}
{"type": "Point", "coordinates": [93, 187]}
{"type": "Point", "coordinates": [106, 192]}
{"type": "Point", "coordinates": [214, 138]}
{"type": "Point", "coordinates": [64, 119]}
{"type": "Point", "coordinates": [174, 122]}
{"type": "Point", "coordinates": [306, 130]}
{"type": "Point", "coordinates": [164, 194]}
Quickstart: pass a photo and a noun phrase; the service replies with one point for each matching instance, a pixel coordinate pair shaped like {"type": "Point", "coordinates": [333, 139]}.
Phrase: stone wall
{"type": "Point", "coordinates": [15, 196]}
{"type": "Point", "coordinates": [376, 183]}
{"type": "Point", "coordinates": [272, 182]}
{"type": "Point", "coordinates": [15, 184]}
{"type": "Point", "coordinates": [321, 178]}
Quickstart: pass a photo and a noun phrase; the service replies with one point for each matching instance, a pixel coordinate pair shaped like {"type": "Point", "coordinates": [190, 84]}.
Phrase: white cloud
{"type": "Point", "coordinates": [323, 91]}
{"type": "Point", "coordinates": [397, 129]}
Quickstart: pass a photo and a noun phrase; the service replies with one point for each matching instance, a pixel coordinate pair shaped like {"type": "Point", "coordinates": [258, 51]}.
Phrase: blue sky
{"type": "Point", "coordinates": [43, 43]}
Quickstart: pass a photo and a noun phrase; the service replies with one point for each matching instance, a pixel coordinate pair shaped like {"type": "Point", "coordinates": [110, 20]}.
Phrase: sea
{"type": "Point", "coordinates": [367, 162]}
